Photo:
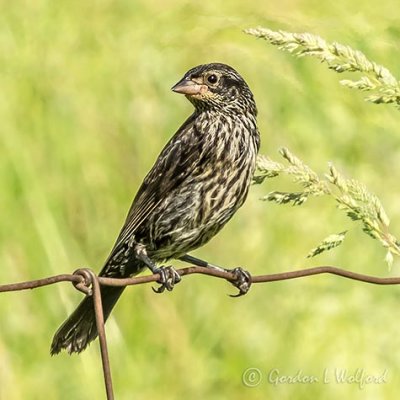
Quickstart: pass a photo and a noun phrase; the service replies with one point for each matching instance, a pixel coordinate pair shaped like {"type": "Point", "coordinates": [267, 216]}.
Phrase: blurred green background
{"type": "Point", "coordinates": [85, 108]}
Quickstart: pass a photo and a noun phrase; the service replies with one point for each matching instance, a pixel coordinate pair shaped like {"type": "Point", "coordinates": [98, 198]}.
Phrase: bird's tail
{"type": "Point", "coordinates": [79, 329]}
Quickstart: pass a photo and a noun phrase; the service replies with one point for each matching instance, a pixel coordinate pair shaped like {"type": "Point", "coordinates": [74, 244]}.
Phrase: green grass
{"type": "Point", "coordinates": [86, 106]}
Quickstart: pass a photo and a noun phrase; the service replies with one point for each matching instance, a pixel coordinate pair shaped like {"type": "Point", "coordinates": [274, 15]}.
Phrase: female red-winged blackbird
{"type": "Point", "coordinates": [199, 180]}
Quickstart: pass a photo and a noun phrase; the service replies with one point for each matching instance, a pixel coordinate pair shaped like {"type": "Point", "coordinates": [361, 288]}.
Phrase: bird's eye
{"type": "Point", "coordinates": [212, 78]}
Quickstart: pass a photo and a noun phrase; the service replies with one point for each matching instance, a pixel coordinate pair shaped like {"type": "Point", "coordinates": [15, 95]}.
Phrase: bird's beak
{"type": "Point", "coordinates": [188, 87]}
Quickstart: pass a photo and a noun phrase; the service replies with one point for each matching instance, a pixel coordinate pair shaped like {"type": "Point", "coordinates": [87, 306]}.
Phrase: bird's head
{"type": "Point", "coordinates": [216, 86]}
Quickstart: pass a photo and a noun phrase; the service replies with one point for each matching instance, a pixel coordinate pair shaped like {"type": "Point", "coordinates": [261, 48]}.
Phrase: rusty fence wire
{"type": "Point", "coordinates": [86, 281]}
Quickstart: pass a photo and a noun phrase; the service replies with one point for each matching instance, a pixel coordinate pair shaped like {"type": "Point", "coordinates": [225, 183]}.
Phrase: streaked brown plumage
{"type": "Point", "coordinates": [197, 183]}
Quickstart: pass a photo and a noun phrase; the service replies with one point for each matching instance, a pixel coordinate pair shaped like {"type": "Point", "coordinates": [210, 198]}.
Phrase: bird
{"type": "Point", "coordinates": [198, 182]}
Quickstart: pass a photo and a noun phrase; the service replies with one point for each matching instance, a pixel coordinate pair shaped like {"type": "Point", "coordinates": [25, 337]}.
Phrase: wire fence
{"type": "Point", "coordinates": [86, 281]}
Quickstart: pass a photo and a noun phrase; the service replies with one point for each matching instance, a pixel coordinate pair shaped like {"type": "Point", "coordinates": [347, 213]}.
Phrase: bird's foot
{"type": "Point", "coordinates": [168, 278]}
{"type": "Point", "coordinates": [242, 281]}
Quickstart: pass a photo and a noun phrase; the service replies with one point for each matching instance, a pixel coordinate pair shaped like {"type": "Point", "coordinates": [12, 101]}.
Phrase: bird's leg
{"type": "Point", "coordinates": [168, 275]}
{"type": "Point", "coordinates": [242, 277]}
{"type": "Point", "coordinates": [200, 263]}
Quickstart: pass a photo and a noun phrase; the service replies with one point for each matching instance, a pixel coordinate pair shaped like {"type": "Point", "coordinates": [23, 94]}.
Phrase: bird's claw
{"type": "Point", "coordinates": [242, 281]}
{"type": "Point", "coordinates": [168, 278]}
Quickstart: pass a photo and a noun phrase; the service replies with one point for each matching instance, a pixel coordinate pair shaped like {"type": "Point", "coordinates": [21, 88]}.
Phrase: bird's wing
{"type": "Point", "coordinates": [176, 161]}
